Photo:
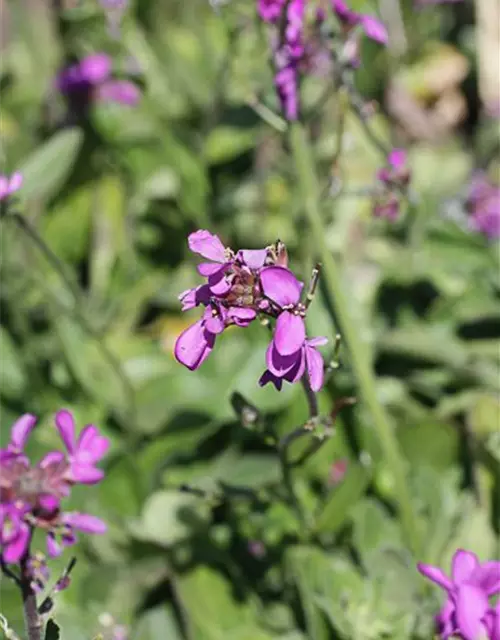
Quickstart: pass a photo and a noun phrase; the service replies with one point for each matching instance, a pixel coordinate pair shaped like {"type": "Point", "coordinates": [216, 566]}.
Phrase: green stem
{"type": "Point", "coordinates": [309, 187]}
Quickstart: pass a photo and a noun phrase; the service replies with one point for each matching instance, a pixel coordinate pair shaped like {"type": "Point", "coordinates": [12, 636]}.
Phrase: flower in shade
{"type": "Point", "coordinates": [493, 622]}
{"type": "Point", "coordinates": [393, 178]}
{"type": "Point", "coordinates": [373, 28]}
{"type": "Point", "coordinates": [8, 186]}
{"type": "Point", "coordinates": [92, 79]}
{"type": "Point", "coordinates": [31, 495]}
{"type": "Point", "coordinates": [466, 610]}
{"type": "Point", "coordinates": [483, 205]}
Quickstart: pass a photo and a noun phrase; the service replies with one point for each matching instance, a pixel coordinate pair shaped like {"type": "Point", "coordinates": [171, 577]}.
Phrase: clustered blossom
{"type": "Point", "coordinates": [483, 204]}
{"type": "Point", "coordinates": [393, 179]}
{"type": "Point", "coordinates": [467, 612]}
{"type": "Point", "coordinates": [8, 186]}
{"type": "Point", "coordinates": [299, 48]}
{"type": "Point", "coordinates": [91, 80]}
{"type": "Point", "coordinates": [31, 495]}
{"type": "Point", "coordinates": [240, 286]}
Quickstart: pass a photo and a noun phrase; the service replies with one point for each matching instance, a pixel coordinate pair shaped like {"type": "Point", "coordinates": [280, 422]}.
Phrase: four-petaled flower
{"type": "Point", "coordinates": [466, 611]}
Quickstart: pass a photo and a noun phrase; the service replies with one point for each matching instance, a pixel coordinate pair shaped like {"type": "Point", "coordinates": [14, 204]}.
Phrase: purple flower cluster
{"type": "Point", "coordinates": [30, 495]}
{"type": "Point", "coordinates": [298, 48]}
{"type": "Point", "coordinates": [91, 80]}
{"type": "Point", "coordinates": [467, 612]}
{"type": "Point", "coordinates": [239, 287]}
{"type": "Point", "coordinates": [8, 186]}
{"type": "Point", "coordinates": [393, 178]}
{"type": "Point", "coordinates": [483, 204]}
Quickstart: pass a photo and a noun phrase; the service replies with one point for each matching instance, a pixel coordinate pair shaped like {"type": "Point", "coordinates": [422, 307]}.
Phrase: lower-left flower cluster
{"type": "Point", "coordinates": [31, 494]}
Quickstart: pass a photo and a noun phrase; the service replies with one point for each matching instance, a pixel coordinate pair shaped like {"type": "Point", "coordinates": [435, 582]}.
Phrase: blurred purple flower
{"type": "Point", "coordinates": [270, 10]}
{"type": "Point", "coordinates": [373, 28]}
{"type": "Point", "coordinates": [337, 472]}
{"type": "Point", "coordinates": [468, 589]}
{"type": "Point", "coordinates": [483, 204]}
{"type": "Point", "coordinates": [393, 179]}
{"type": "Point", "coordinates": [30, 496]}
{"type": "Point", "coordinates": [91, 80]}
{"type": "Point", "coordinates": [8, 186]}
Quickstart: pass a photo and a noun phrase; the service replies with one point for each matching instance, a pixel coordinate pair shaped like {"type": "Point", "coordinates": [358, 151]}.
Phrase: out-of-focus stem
{"type": "Point", "coordinates": [32, 620]}
{"type": "Point", "coordinates": [361, 363]}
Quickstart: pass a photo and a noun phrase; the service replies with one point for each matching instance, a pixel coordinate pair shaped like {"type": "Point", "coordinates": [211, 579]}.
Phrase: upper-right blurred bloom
{"type": "Point", "coordinates": [483, 205]}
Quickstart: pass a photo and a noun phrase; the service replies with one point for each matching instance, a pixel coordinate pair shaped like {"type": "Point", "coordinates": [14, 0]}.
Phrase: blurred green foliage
{"type": "Point", "coordinates": [113, 199]}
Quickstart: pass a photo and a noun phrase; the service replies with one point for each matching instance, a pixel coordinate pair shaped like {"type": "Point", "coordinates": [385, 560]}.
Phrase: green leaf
{"type": "Point", "coordinates": [169, 517]}
{"type": "Point", "coordinates": [52, 631]}
{"type": "Point", "coordinates": [45, 171]}
{"type": "Point", "coordinates": [13, 379]}
{"type": "Point", "coordinates": [157, 623]}
{"type": "Point", "coordinates": [343, 498]}
{"type": "Point", "coordinates": [226, 143]}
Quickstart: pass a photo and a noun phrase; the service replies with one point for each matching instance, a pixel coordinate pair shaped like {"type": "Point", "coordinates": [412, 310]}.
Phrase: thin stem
{"type": "Point", "coordinates": [25, 225]}
{"type": "Point", "coordinates": [309, 188]}
{"type": "Point", "coordinates": [312, 400]}
{"type": "Point", "coordinates": [32, 620]}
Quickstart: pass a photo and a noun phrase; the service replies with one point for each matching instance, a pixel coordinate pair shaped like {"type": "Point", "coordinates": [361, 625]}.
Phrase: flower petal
{"type": "Point", "coordinates": [375, 29]}
{"type": "Point", "coordinates": [209, 268]}
{"type": "Point", "coordinates": [253, 258]}
{"type": "Point", "coordinates": [436, 575]}
{"type": "Point", "coordinates": [397, 158]}
{"type": "Point", "coordinates": [290, 333]}
{"type": "Point", "coordinates": [344, 13]}
{"type": "Point", "coordinates": [193, 297]}
{"type": "Point", "coordinates": [319, 341]}
{"type": "Point", "coordinates": [444, 620]}
{"type": "Point", "coordinates": [120, 91]}
{"type": "Point", "coordinates": [297, 371]}
{"type": "Point", "coordinates": [65, 424]}
{"type": "Point", "coordinates": [487, 577]}
{"type": "Point", "coordinates": [192, 347]}
{"type": "Point", "coordinates": [51, 458]}
{"type": "Point", "coordinates": [85, 522]}
{"type": "Point", "coordinates": [15, 550]}
{"type": "Point", "coordinates": [463, 565]}
{"type": "Point", "coordinates": [21, 430]}
{"type": "Point", "coordinates": [54, 549]}
{"type": "Point", "coordinates": [95, 68]}
{"type": "Point", "coordinates": [4, 187]}
{"type": "Point", "coordinates": [15, 182]}
{"type": "Point", "coordinates": [279, 365]}
{"type": "Point", "coordinates": [241, 316]}
{"type": "Point", "coordinates": [207, 245]}
{"type": "Point", "coordinates": [471, 604]}
{"type": "Point", "coordinates": [85, 473]}
{"type": "Point", "coordinates": [214, 323]}
{"type": "Point", "coordinates": [315, 368]}
{"type": "Point", "coordinates": [267, 376]}
{"type": "Point", "coordinates": [218, 283]}
{"type": "Point", "coordinates": [91, 446]}
{"type": "Point", "coordinates": [280, 285]}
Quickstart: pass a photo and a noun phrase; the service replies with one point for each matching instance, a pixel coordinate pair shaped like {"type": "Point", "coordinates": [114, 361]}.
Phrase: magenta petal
{"type": "Point", "coordinates": [207, 245]}
{"type": "Point", "coordinates": [54, 549]}
{"type": "Point", "coordinates": [48, 503]}
{"type": "Point", "coordinates": [120, 91]}
{"type": "Point", "coordinates": [192, 347]}
{"type": "Point", "coordinates": [471, 604]}
{"type": "Point", "coordinates": [290, 333]}
{"type": "Point", "coordinates": [253, 258]}
{"type": "Point", "coordinates": [51, 458]}
{"type": "Point", "coordinates": [66, 426]}
{"type": "Point", "coordinates": [4, 187]}
{"type": "Point", "coordinates": [218, 284]}
{"type": "Point", "coordinates": [91, 446]}
{"type": "Point", "coordinates": [315, 368]}
{"type": "Point", "coordinates": [85, 473]}
{"type": "Point", "coordinates": [344, 13]}
{"type": "Point", "coordinates": [267, 376]}
{"type": "Point", "coordinates": [280, 285]}
{"type": "Point", "coordinates": [487, 577]}
{"type": "Point", "coordinates": [463, 565]}
{"type": "Point", "coordinates": [444, 620]}
{"type": "Point", "coordinates": [214, 324]}
{"type": "Point", "coordinates": [241, 316]}
{"type": "Point", "coordinates": [209, 268]}
{"type": "Point", "coordinates": [84, 522]}
{"type": "Point", "coordinates": [436, 575]}
{"type": "Point", "coordinates": [21, 430]}
{"type": "Point", "coordinates": [15, 550]}
{"type": "Point", "coordinates": [15, 182]}
{"type": "Point", "coordinates": [297, 371]}
{"type": "Point", "coordinates": [375, 29]}
{"type": "Point", "coordinates": [279, 365]}
{"type": "Point", "coordinates": [95, 68]}
{"type": "Point", "coordinates": [193, 297]}
{"type": "Point", "coordinates": [397, 158]}
{"type": "Point", "coordinates": [319, 341]}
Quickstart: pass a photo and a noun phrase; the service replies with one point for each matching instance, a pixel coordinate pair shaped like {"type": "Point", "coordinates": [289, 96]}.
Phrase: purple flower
{"type": "Point", "coordinates": [468, 590]}
{"type": "Point", "coordinates": [394, 178]}
{"type": "Point", "coordinates": [63, 535]}
{"type": "Point", "coordinates": [91, 80]}
{"type": "Point", "coordinates": [493, 622]}
{"type": "Point", "coordinates": [373, 28]}
{"type": "Point", "coordinates": [282, 287]}
{"type": "Point", "coordinates": [270, 10]}
{"type": "Point", "coordinates": [291, 368]}
{"type": "Point", "coordinates": [30, 495]}
{"type": "Point", "coordinates": [85, 452]}
{"type": "Point", "coordinates": [483, 204]}
{"type": "Point", "coordinates": [8, 186]}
